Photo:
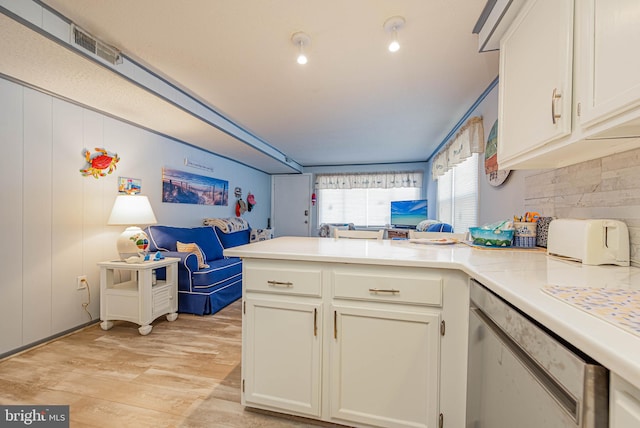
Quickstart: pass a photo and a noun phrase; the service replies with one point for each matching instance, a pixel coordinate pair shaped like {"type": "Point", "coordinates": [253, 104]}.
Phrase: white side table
{"type": "Point", "coordinates": [137, 300]}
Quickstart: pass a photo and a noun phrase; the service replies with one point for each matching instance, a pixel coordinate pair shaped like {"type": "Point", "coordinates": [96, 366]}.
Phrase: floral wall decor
{"type": "Point", "coordinates": [181, 187]}
{"type": "Point", "coordinates": [98, 162]}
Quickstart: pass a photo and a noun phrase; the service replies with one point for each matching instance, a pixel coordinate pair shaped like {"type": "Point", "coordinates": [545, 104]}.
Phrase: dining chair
{"type": "Point", "coordinates": [358, 234]}
{"type": "Point", "coordinates": [437, 235]}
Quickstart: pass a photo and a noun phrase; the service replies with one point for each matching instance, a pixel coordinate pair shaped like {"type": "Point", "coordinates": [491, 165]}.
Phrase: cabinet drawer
{"type": "Point", "coordinates": [409, 286]}
{"type": "Point", "coordinates": [283, 278]}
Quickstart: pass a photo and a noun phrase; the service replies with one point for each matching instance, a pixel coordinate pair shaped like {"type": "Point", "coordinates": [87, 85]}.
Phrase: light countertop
{"type": "Point", "coordinates": [516, 275]}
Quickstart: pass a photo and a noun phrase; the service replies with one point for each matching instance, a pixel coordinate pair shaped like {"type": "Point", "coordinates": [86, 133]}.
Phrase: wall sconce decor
{"type": "Point", "coordinates": [98, 162]}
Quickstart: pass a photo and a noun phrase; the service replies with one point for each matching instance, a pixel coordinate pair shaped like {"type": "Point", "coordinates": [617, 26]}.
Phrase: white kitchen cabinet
{"type": "Point", "coordinates": [624, 402]}
{"type": "Point", "coordinates": [282, 337]}
{"type": "Point", "coordinates": [386, 338]}
{"type": "Point", "coordinates": [610, 37]}
{"type": "Point", "coordinates": [384, 367]}
{"type": "Point", "coordinates": [535, 94]}
{"type": "Point", "coordinates": [569, 83]}
{"type": "Point", "coordinates": [282, 355]}
{"type": "Point", "coordinates": [358, 345]}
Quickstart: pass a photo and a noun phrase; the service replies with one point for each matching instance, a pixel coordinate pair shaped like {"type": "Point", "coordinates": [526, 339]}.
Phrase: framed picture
{"type": "Point", "coordinates": [128, 185]}
{"type": "Point", "coordinates": [181, 187]}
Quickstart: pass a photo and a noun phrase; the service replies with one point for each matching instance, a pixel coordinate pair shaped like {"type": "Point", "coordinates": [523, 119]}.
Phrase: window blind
{"type": "Point", "coordinates": [458, 195]}
{"type": "Point", "coordinates": [362, 207]}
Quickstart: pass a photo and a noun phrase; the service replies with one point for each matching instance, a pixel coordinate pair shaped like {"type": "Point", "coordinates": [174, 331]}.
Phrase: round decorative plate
{"type": "Point", "coordinates": [495, 176]}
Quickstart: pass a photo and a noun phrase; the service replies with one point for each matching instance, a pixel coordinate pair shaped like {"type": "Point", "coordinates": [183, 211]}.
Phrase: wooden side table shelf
{"type": "Point", "coordinates": [138, 300]}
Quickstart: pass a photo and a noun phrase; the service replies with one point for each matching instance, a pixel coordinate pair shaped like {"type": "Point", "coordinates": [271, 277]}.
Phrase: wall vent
{"type": "Point", "coordinates": [88, 42]}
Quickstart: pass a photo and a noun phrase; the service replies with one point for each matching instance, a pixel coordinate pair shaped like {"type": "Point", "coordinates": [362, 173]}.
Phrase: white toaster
{"type": "Point", "coordinates": [590, 241]}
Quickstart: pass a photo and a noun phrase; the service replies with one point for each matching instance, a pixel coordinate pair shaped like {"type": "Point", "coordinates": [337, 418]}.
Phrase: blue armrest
{"type": "Point", "coordinates": [186, 266]}
{"type": "Point", "coordinates": [187, 260]}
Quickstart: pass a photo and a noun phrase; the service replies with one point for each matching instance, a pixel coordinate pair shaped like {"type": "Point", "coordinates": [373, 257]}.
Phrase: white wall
{"type": "Point", "coordinates": [54, 219]}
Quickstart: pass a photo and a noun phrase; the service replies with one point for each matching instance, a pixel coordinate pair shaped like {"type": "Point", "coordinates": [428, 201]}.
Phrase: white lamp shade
{"type": "Point", "coordinates": [131, 210]}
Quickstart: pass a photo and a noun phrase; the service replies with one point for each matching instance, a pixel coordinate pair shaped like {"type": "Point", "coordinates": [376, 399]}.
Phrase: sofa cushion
{"type": "Point", "coordinates": [219, 272]}
{"type": "Point", "coordinates": [440, 227]}
{"type": "Point", "coordinates": [164, 238]}
{"type": "Point", "coordinates": [233, 239]}
{"type": "Point", "coordinates": [192, 247]}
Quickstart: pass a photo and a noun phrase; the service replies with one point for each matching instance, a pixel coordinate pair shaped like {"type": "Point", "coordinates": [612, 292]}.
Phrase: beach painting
{"type": "Point", "coordinates": [181, 187]}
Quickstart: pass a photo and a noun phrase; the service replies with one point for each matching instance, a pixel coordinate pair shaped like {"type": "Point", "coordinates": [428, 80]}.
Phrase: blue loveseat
{"type": "Point", "coordinates": [206, 290]}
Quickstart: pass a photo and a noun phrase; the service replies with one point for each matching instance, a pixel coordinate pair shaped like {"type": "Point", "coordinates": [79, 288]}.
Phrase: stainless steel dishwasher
{"type": "Point", "coordinates": [519, 375]}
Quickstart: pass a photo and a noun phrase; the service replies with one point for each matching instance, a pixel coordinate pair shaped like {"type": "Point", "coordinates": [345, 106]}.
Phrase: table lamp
{"type": "Point", "coordinates": [131, 210]}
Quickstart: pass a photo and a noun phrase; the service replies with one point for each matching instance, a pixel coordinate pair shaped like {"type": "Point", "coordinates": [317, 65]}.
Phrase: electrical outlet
{"type": "Point", "coordinates": [81, 282]}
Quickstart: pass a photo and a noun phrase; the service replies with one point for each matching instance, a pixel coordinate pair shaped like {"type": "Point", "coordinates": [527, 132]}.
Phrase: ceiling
{"type": "Point", "coordinates": [353, 103]}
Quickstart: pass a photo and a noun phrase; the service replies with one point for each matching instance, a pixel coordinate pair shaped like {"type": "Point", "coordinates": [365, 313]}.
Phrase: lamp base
{"type": "Point", "coordinates": [132, 242]}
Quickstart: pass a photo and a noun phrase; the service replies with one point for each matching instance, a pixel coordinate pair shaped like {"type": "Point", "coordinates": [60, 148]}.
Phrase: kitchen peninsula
{"type": "Point", "coordinates": [365, 332]}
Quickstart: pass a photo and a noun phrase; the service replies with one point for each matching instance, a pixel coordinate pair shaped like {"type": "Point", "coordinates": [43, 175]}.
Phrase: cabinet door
{"type": "Point", "coordinates": [281, 355]}
{"type": "Point", "coordinates": [384, 367]}
{"type": "Point", "coordinates": [610, 39]}
{"type": "Point", "coordinates": [624, 404]}
{"type": "Point", "coordinates": [536, 63]}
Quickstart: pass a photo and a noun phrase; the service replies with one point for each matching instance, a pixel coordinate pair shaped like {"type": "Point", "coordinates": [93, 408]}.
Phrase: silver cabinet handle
{"type": "Point", "coordinates": [280, 283]}
{"type": "Point", "coordinates": [384, 290]}
{"type": "Point", "coordinates": [555, 96]}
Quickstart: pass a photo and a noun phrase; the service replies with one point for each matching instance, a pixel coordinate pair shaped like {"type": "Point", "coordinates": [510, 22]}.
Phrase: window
{"type": "Point", "coordinates": [458, 195]}
{"type": "Point", "coordinates": [364, 199]}
{"type": "Point", "coordinates": [362, 207]}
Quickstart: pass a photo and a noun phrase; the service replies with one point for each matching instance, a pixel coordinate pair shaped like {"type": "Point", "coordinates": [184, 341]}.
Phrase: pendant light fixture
{"type": "Point", "coordinates": [392, 25]}
{"type": "Point", "coordinates": [301, 40]}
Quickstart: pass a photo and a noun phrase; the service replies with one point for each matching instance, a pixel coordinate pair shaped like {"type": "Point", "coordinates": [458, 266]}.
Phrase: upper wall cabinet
{"type": "Point", "coordinates": [610, 37]}
{"type": "Point", "coordinates": [536, 57]}
{"type": "Point", "coordinates": [566, 99]}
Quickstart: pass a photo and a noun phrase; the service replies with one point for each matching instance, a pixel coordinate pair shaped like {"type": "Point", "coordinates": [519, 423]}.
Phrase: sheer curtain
{"type": "Point", "coordinates": [468, 140]}
{"type": "Point", "coordinates": [372, 180]}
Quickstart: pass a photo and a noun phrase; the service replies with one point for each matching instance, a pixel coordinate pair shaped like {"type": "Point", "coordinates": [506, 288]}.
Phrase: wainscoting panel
{"type": "Point", "coordinates": [37, 216]}
{"type": "Point", "coordinates": [11, 215]}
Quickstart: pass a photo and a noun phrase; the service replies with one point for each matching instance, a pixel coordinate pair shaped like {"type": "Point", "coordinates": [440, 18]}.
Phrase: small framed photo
{"type": "Point", "coordinates": [130, 186]}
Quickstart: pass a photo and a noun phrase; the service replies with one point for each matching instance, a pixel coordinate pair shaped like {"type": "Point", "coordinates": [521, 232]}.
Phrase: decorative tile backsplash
{"type": "Point", "coordinates": [608, 187]}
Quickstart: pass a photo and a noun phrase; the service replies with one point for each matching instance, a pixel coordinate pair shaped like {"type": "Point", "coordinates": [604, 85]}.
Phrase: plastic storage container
{"type": "Point", "coordinates": [491, 237]}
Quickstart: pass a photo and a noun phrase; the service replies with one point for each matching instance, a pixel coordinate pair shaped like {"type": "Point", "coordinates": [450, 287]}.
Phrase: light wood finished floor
{"type": "Point", "coordinates": [185, 373]}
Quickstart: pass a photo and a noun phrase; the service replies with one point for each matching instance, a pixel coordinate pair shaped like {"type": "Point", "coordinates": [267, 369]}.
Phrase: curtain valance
{"type": "Point", "coordinates": [369, 180]}
{"type": "Point", "coordinates": [468, 140]}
